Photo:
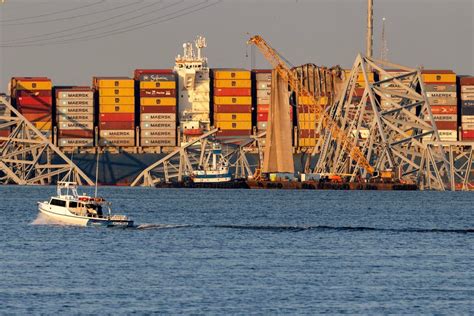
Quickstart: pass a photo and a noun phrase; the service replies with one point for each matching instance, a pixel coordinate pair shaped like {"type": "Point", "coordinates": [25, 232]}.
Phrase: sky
{"type": "Point", "coordinates": [71, 41]}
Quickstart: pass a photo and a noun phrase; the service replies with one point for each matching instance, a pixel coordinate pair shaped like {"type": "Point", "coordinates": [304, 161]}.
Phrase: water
{"type": "Point", "coordinates": [243, 252]}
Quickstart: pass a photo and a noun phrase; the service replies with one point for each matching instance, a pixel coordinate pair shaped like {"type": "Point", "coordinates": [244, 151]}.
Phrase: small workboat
{"type": "Point", "coordinates": [70, 208]}
{"type": "Point", "coordinates": [214, 169]}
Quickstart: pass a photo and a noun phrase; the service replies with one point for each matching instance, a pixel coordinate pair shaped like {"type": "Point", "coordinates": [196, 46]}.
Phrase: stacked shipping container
{"type": "Point", "coordinates": [32, 97]}
{"type": "Point", "coordinates": [467, 108]}
{"type": "Point", "coordinates": [158, 107]}
{"type": "Point", "coordinates": [116, 99]}
{"type": "Point", "coordinates": [75, 116]}
{"type": "Point", "coordinates": [440, 88]}
{"type": "Point", "coordinates": [263, 91]}
{"type": "Point", "coordinates": [232, 102]}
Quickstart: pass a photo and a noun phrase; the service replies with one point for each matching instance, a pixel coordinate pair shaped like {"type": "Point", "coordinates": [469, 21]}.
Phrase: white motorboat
{"type": "Point", "coordinates": [80, 210]}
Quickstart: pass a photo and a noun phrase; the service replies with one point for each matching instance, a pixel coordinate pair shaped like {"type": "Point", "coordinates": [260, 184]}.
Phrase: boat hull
{"type": "Point", "coordinates": [82, 221]}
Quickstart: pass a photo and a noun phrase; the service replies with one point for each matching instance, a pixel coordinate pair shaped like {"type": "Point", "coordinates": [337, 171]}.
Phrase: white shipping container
{"type": "Point", "coordinates": [158, 117]}
{"type": "Point", "coordinates": [261, 126]}
{"type": "Point", "coordinates": [263, 93]}
{"type": "Point", "coordinates": [117, 133]}
{"type": "Point", "coordinates": [440, 88]}
{"type": "Point", "coordinates": [75, 94]}
{"type": "Point", "coordinates": [158, 125]}
{"type": "Point", "coordinates": [467, 119]}
{"type": "Point", "coordinates": [264, 85]}
{"type": "Point", "coordinates": [445, 117]}
{"type": "Point", "coordinates": [265, 100]}
{"type": "Point", "coordinates": [159, 133]}
{"type": "Point", "coordinates": [441, 94]}
{"type": "Point", "coordinates": [467, 126]}
{"type": "Point", "coordinates": [263, 76]}
{"type": "Point", "coordinates": [442, 101]}
{"type": "Point", "coordinates": [75, 142]}
{"type": "Point", "coordinates": [158, 142]}
{"type": "Point", "coordinates": [119, 142]}
{"type": "Point", "coordinates": [75, 125]}
{"type": "Point", "coordinates": [467, 89]}
{"type": "Point", "coordinates": [74, 102]}
{"type": "Point", "coordinates": [75, 117]}
{"type": "Point", "coordinates": [467, 96]}
{"type": "Point", "coordinates": [75, 110]}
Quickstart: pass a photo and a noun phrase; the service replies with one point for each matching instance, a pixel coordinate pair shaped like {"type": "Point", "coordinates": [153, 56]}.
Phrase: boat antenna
{"type": "Point", "coordinates": [96, 172]}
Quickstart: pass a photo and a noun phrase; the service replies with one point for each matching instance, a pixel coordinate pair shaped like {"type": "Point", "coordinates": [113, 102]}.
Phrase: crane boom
{"type": "Point", "coordinates": [346, 141]}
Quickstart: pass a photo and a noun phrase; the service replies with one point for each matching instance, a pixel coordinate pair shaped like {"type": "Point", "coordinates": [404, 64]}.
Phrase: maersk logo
{"type": "Point", "coordinates": [118, 134]}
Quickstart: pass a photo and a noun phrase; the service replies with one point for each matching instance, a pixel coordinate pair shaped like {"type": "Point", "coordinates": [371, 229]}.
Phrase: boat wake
{"type": "Point", "coordinates": [298, 228]}
{"type": "Point", "coordinates": [42, 219]}
{"type": "Point", "coordinates": [159, 226]}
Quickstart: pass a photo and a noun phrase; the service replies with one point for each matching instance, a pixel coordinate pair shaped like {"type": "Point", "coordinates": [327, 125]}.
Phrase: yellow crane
{"type": "Point", "coordinates": [346, 141]}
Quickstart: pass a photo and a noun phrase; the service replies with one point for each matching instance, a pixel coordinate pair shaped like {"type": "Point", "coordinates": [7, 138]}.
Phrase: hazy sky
{"type": "Point", "coordinates": [71, 40]}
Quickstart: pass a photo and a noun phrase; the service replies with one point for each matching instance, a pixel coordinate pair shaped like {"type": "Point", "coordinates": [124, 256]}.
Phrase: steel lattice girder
{"type": "Point", "coordinates": [26, 154]}
{"type": "Point", "coordinates": [393, 113]}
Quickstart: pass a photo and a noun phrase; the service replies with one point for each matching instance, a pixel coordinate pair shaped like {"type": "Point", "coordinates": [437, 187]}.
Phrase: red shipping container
{"type": "Point", "coordinates": [76, 133]}
{"type": "Point", "coordinates": [264, 108]}
{"type": "Point", "coordinates": [444, 109]}
{"type": "Point", "coordinates": [29, 93]}
{"type": "Point", "coordinates": [466, 81]}
{"type": "Point", "coordinates": [467, 134]}
{"type": "Point", "coordinates": [38, 117]}
{"type": "Point", "coordinates": [232, 108]}
{"type": "Point", "coordinates": [4, 132]}
{"type": "Point", "coordinates": [308, 133]}
{"type": "Point", "coordinates": [262, 117]}
{"type": "Point", "coordinates": [231, 92]}
{"type": "Point", "coordinates": [158, 109]}
{"type": "Point", "coordinates": [34, 109]}
{"type": "Point", "coordinates": [446, 125]}
{"type": "Point", "coordinates": [262, 71]}
{"type": "Point", "coordinates": [117, 117]}
{"type": "Point", "coordinates": [35, 100]}
{"type": "Point", "coordinates": [116, 125]}
{"type": "Point", "coordinates": [158, 93]}
{"type": "Point", "coordinates": [234, 132]}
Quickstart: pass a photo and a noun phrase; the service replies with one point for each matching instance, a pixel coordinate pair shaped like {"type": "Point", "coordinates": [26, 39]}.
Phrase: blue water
{"type": "Point", "coordinates": [243, 252]}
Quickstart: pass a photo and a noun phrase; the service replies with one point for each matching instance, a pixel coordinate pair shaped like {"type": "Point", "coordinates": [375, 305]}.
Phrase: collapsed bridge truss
{"type": "Point", "coordinates": [27, 157]}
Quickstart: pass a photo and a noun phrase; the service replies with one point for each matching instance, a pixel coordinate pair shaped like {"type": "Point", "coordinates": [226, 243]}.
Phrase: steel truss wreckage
{"type": "Point", "coordinates": [392, 124]}
{"type": "Point", "coordinates": [26, 155]}
{"type": "Point", "coordinates": [181, 163]}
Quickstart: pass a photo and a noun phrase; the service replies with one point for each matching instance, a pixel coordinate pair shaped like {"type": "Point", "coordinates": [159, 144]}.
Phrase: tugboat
{"type": "Point", "coordinates": [80, 210]}
{"type": "Point", "coordinates": [215, 168]}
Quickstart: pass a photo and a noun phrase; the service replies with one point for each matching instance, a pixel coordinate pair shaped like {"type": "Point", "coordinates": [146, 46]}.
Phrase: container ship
{"type": "Point", "coordinates": [135, 121]}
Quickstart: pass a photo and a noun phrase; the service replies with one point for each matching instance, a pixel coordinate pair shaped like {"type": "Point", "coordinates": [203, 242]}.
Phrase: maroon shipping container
{"type": "Point", "coordinates": [158, 109]}
{"type": "Point", "coordinates": [24, 109]}
{"type": "Point", "coordinates": [231, 92]}
{"type": "Point", "coordinates": [466, 81]}
{"type": "Point", "coordinates": [138, 72]}
{"type": "Point", "coordinates": [30, 93]}
{"type": "Point", "coordinates": [232, 108]}
{"type": "Point", "coordinates": [158, 93]}
{"type": "Point", "coordinates": [446, 125]}
{"type": "Point", "coordinates": [234, 132]}
{"type": "Point", "coordinates": [117, 117]}
{"type": "Point", "coordinates": [76, 133]}
{"type": "Point", "coordinates": [116, 125]}
{"type": "Point", "coordinates": [307, 133]}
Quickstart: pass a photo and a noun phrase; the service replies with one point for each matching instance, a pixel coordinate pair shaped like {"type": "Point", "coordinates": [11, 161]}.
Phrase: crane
{"type": "Point", "coordinates": [346, 141]}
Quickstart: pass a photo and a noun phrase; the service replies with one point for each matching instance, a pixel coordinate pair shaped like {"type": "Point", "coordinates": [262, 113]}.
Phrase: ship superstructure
{"type": "Point", "coordinates": [194, 89]}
